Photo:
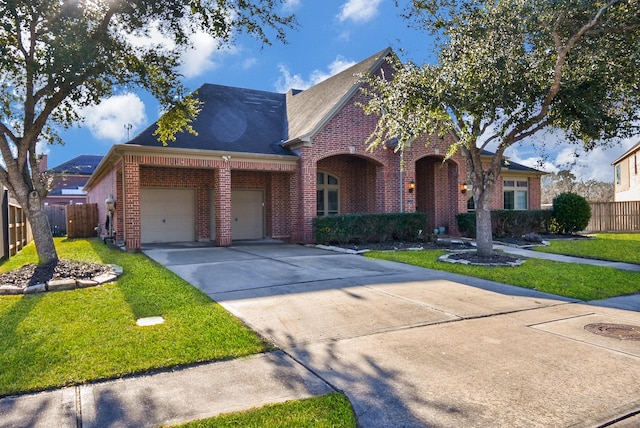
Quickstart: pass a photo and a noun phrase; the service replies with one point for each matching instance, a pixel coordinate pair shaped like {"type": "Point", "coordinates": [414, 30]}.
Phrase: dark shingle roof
{"type": "Point", "coordinates": [233, 120]}
{"type": "Point", "coordinates": [308, 109]}
{"type": "Point", "coordinates": [510, 165]}
{"type": "Point", "coordinates": [81, 165]}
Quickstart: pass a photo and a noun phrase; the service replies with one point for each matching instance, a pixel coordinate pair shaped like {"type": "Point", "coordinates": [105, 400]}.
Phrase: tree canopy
{"type": "Point", "coordinates": [508, 69]}
{"type": "Point", "coordinates": [58, 56]}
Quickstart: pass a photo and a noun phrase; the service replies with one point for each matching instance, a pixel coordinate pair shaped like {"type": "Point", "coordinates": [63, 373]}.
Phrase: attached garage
{"type": "Point", "coordinates": [167, 215]}
{"type": "Point", "coordinates": [247, 214]}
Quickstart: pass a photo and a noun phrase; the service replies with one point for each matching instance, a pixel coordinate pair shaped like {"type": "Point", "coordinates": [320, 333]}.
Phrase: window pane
{"type": "Point", "coordinates": [332, 200]}
{"type": "Point", "coordinates": [509, 200]}
{"type": "Point", "coordinates": [331, 179]}
{"type": "Point", "coordinates": [320, 178]}
{"type": "Point", "coordinates": [523, 184]}
{"type": "Point", "coordinates": [521, 200]}
{"type": "Point", "coordinates": [509, 183]}
{"type": "Point", "coordinates": [471, 205]}
{"type": "Point", "coordinates": [320, 203]}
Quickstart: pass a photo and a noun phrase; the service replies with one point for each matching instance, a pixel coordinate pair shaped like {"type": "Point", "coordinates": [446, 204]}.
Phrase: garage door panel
{"type": "Point", "coordinates": [247, 214]}
{"type": "Point", "coordinates": [167, 215]}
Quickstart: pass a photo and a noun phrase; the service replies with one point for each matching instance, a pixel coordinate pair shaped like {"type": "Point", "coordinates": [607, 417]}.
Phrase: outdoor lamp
{"type": "Point", "coordinates": [411, 186]}
{"type": "Point", "coordinates": [463, 188]}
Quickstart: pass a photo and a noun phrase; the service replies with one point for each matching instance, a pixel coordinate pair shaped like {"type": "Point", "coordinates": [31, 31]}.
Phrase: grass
{"type": "Point", "coordinates": [69, 337]}
{"type": "Point", "coordinates": [332, 410]}
{"type": "Point", "coordinates": [583, 282]}
{"type": "Point", "coordinates": [604, 246]}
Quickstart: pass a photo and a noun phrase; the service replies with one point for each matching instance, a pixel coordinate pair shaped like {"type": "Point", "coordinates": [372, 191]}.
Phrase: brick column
{"type": "Point", "coordinates": [132, 230]}
{"type": "Point", "coordinates": [308, 197]}
{"type": "Point", "coordinates": [223, 205]}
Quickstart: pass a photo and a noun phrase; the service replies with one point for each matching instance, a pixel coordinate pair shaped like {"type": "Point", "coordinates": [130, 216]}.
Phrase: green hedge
{"type": "Point", "coordinates": [508, 222]}
{"type": "Point", "coordinates": [363, 228]}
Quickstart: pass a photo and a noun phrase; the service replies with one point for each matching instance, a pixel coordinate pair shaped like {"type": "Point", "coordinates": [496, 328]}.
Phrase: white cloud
{"type": "Point", "coordinates": [249, 63]}
{"type": "Point", "coordinates": [290, 5]}
{"type": "Point", "coordinates": [196, 60]}
{"type": "Point", "coordinates": [592, 165]}
{"type": "Point", "coordinates": [107, 120]}
{"type": "Point", "coordinates": [359, 10]}
{"type": "Point", "coordinates": [296, 81]}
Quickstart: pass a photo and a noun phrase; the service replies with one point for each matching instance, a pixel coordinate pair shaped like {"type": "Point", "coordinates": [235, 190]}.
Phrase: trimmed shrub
{"type": "Point", "coordinates": [364, 228]}
{"type": "Point", "coordinates": [571, 213]}
{"type": "Point", "coordinates": [507, 223]}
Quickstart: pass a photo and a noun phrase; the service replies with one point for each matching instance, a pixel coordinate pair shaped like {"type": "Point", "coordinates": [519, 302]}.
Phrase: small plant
{"type": "Point", "coordinates": [571, 212]}
{"type": "Point", "coordinates": [532, 237]}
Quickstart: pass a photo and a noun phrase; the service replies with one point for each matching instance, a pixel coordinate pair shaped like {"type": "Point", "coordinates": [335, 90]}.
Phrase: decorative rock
{"type": "Point", "coordinates": [117, 269]}
{"type": "Point", "coordinates": [36, 288]}
{"type": "Point", "coordinates": [84, 283]}
{"type": "Point", "coordinates": [10, 290]}
{"type": "Point", "coordinates": [105, 277]}
{"type": "Point", "coordinates": [61, 284]}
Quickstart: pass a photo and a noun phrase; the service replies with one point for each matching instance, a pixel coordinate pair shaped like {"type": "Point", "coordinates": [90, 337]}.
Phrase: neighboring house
{"type": "Point", "coordinates": [626, 178]}
{"type": "Point", "coordinates": [265, 164]}
{"type": "Point", "coordinates": [69, 178]}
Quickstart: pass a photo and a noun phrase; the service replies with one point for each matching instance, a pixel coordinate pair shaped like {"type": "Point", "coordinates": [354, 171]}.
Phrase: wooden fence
{"type": "Point", "coordinates": [18, 228]}
{"type": "Point", "coordinates": [82, 220]}
{"type": "Point", "coordinates": [57, 216]}
{"type": "Point", "coordinates": [614, 217]}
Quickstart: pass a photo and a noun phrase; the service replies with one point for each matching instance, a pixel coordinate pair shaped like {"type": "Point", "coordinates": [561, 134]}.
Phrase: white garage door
{"type": "Point", "coordinates": [167, 215]}
{"type": "Point", "coordinates": [247, 218]}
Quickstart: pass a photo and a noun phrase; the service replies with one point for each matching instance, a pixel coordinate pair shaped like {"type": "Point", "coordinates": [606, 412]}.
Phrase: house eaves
{"type": "Point", "coordinates": [119, 150]}
{"type": "Point", "coordinates": [309, 110]}
{"type": "Point", "coordinates": [628, 153]}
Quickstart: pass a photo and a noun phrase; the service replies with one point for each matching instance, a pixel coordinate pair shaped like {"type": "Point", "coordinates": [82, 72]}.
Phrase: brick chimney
{"type": "Point", "coordinates": [42, 163]}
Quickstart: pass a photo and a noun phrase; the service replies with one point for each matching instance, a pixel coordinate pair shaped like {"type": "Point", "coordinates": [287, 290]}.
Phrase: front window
{"type": "Point", "coordinates": [516, 194]}
{"type": "Point", "coordinates": [328, 194]}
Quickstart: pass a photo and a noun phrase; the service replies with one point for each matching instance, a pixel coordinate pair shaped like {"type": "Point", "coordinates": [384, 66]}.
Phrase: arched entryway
{"type": "Point", "coordinates": [348, 183]}
{"type": "Point", "coordinates": [437, 190]}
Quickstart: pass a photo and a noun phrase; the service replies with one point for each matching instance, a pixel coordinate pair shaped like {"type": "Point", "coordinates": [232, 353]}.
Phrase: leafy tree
{"type": "Point", "coordinates": [58, 56]}
{"type": "Point", "coordinates": [508, 69]}
{"type": "Point", "coordinates": [565, 181]}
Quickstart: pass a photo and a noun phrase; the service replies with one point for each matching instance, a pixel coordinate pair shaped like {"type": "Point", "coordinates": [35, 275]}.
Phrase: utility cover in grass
{"type": "Point", "coordinates": [149, 321]}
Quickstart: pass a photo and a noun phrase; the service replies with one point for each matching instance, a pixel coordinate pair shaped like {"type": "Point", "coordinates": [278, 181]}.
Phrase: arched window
{"type": "Point", "coordinates": [328, 194]}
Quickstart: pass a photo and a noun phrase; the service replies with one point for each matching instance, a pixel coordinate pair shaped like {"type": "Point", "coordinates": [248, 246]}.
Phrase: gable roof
{"type": "Point", "coordinates": [231, 120]}
{"type": "Point", "coordinates": [81, 165]}
{"type": "Point", "coordinates": [633, 148]}
{"type": "Point", "coordinates": [309, 110]}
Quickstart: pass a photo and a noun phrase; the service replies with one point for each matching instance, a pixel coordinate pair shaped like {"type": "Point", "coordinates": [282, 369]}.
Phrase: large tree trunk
{"type": "Point", "coordinates": [484, 235]}
{"type": "Point", "coordinates": [41, 230]}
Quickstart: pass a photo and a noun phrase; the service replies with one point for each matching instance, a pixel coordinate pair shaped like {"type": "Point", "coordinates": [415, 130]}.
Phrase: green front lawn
{"type": "Point", "coordinates": [583, 282]}
{"type": "Point", "coordinates": [330, 411]}
{"type": "Point", "coordinates": [69, 337]}
{"type": "Point", "coordinates": [620, 247]}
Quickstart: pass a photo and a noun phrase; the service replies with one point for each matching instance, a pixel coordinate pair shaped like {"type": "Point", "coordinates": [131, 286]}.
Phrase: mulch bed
{"type": "Point", "coordinates": [32, 274]}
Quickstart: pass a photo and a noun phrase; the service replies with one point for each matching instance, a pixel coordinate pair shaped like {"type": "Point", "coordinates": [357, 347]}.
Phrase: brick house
{"type": "Point", "coordinates": [265, 164]}
{"type": "Point", "coordinates": [68, 179]}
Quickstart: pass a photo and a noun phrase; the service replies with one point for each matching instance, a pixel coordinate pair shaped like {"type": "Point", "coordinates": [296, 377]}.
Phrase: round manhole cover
{"type": "Point", "coordinates": [618, 331]}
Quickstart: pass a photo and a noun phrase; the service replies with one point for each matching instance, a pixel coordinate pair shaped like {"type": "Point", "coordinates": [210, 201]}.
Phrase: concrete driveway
{"type": "Point", "coordinates": [413, 347]}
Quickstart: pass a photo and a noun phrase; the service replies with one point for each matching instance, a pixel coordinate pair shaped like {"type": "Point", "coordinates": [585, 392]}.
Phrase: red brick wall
{"type": "Point", "coordinates": [203, 175]}
{"type": "Point", "coordinates": [109, 184]}
{"type": "Point", "coordinates": [370, 181]}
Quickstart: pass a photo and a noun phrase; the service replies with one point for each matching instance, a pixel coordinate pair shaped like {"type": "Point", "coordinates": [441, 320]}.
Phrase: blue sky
{"type": "Point", "coordinates": [332, 35]}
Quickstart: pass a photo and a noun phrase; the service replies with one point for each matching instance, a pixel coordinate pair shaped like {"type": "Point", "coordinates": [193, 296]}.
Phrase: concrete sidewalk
{"type": "Point", "coordinates": [566, 259]}
{"type": "Point", "coordinates": [409, 346]}
{"type": "Point", "coordinates": [170, 397]}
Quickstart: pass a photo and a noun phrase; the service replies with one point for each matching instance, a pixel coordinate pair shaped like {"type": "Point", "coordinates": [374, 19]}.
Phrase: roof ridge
{"type": "Point", "coordinates": [308, 109]}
